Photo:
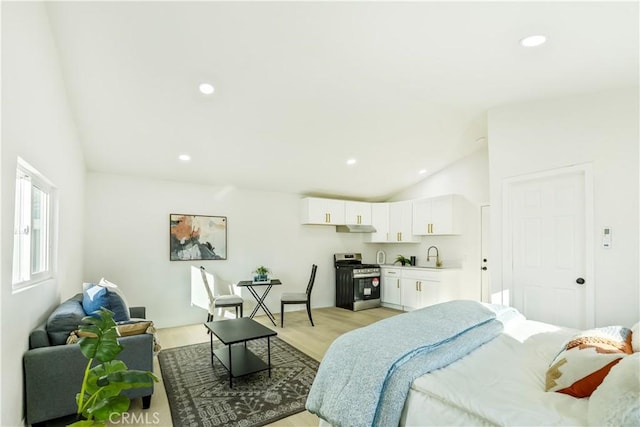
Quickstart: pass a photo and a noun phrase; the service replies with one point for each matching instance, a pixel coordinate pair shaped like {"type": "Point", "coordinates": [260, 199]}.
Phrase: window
{"type": "Point", "coordinates": [33, 227]}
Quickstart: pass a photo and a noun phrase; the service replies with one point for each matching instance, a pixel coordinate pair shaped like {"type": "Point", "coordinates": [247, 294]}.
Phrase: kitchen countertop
{"type": "Point", "coordinates": [422, 267]}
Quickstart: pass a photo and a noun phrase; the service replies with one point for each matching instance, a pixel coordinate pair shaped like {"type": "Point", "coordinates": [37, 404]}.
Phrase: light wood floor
{"type": "Point", "coordinates": [329, 322]}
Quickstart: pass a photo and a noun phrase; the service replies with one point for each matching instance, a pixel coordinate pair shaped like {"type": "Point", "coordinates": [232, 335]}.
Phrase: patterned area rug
{"type": "Point", "coordinates": [199, 394]}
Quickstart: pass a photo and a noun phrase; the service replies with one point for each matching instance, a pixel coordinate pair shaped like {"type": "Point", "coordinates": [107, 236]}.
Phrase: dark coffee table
{"type": "Point", "coordinates": [238, 359]}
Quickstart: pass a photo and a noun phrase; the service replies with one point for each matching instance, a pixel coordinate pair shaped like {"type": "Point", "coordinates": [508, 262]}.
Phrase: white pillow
{"type": "Point", "coordinates": [635, 337]}
{"type": "Point", "coordinates": [616, 402]}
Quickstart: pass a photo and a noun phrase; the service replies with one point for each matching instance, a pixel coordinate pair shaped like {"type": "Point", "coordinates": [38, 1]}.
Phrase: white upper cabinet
{"type": "Point", "coordinates": [395, 222]}
{"type": "Point", "coordinates": [400, 222]}
{"type": "Point", "coordinates": [437, 216]}
{"type": "Point", "coordinates": [380, 221]}
{"type": "Point", "coordinates": [322, 211]}
{"type": "Point", "coordinates": [392, 222]}
{"type": "Point", "coordinates": [358, 213]}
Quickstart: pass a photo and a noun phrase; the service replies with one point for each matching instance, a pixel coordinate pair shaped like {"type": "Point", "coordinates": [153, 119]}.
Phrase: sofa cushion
{"type": "Point", "coordinates": [64, 319]}
{"type": "Point", "coordinates": [96, 296]}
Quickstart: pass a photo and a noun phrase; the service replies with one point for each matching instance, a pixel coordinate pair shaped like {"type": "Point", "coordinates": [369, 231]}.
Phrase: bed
{"type": "Point", "coordinates": [501, 381]}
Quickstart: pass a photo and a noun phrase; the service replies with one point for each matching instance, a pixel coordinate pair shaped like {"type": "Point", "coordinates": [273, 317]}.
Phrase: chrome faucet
{"type": "Point", "coordinates": [438, 262]}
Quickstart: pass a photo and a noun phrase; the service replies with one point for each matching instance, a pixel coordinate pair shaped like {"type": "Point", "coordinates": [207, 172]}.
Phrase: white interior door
{"type": "Point", "coordinates": [485, 272]}
{"type": "Point", "coordinates": [548, 248]}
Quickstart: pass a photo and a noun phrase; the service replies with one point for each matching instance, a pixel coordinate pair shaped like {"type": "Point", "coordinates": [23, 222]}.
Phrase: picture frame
{"type": "Point", "coordinates": [197, 237]}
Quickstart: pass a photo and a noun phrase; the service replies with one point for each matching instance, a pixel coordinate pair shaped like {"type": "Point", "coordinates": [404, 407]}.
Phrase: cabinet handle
{"type": "Point", "coordinates": [359, 219]}
{"type": "Point", "coordinates": [419, 286]}
{"type": "Point", "coordinates": [398, 283]}
{"type": "Point", "coordinates": [329, 217]}
{"type": "Point", "coordinates": [400, 236]}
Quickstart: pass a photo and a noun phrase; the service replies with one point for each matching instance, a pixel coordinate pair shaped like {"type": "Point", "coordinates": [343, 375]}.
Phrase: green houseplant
{"type": "Point", "coordinates": [402, 260]}
{"type": "Point", "coordinates": [99, 399]}
{"type": "Point", "coordinates": [261, 274]}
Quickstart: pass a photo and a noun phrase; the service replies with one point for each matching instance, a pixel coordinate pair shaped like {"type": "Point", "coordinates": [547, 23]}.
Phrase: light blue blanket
{"type": "Point", "coordinates": [365, 375]}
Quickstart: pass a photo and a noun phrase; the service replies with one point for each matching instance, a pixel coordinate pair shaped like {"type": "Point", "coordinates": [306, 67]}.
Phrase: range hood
{"type": "Point", "coordinates": [355, 228]}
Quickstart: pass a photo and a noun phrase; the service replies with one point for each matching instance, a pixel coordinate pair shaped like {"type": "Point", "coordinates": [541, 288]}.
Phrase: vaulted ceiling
{"type": "Point", "coordinates": [301, 87]}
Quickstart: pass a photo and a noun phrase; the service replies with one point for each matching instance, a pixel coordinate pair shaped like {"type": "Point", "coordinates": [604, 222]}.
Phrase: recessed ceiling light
{"type": "Point", "coordinates": [206, 88]}
{"type": "Point", "coordinates": [533, 41]}
{"type": "Point", "coordinates": [184, 157]}
{"type": "Point", "coordinates": [422, 171]}
{"type": "Point", "coordinates": [351, 161]}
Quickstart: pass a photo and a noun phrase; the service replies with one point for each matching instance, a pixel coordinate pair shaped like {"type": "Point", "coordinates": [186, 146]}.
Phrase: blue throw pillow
{"type": "Point", "coordinates": [64, 319]}
{"type": "Point", "coordinates": [98, 296]}
{"type": "Point", "coordinates": [118, 306]}
{"type": "Point", "coordinates": [94, 298]}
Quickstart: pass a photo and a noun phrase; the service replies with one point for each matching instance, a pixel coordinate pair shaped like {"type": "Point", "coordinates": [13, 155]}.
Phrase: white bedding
{"type": "Point", "coordinates": [501, 383]}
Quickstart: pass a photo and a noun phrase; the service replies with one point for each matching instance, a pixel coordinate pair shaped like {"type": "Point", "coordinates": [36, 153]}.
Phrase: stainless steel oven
{"type": "Point", "coordinates": [357, 284]}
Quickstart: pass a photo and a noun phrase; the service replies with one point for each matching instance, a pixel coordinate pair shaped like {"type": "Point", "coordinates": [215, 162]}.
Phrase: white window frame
{"type": "Point", "coordinates": [33, 260]}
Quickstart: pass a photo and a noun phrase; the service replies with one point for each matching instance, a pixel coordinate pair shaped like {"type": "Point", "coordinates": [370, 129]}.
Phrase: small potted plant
{"type": "Point", "coordinates": [402, 260]}
{"type": "Point", "coordinates": [261, 274]}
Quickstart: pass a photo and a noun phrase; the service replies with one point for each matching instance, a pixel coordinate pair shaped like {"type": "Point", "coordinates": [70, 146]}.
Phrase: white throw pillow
{"type": "Point", "coordinates": [616, 402]}
{"type": "Point", "coordinates": [635, 337]}
{"type": "Point", "coordinates": [586, 359]}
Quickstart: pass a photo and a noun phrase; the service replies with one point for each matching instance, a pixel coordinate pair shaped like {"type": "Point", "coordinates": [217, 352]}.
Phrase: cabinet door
{"type": "Point", "coordinates": [400, 222]}
{"type": "Point", "coordinates": [421, 217]}
{"type": "Point", "coordinates": [427, 285]}
{"type": "Point", "coordinates": [380, 221]}
{"type": "Point", "coordinates": [391, 291]}
{"type": "Point", "coordinates": [322, 211]}
{"type": "Point", "coordinates": [436, 216]}
{"type": "Point", "coordinates": [442, 215]}
{"type": "Point", "coordinates": [410, 295]}
{"type": "Point", "coordinates": [430, 292]}
{"type": "Point", "coordinates": [357, 213]}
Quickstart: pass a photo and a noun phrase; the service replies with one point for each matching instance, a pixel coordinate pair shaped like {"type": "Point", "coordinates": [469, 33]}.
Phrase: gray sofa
{"type": "Point", "coordinates": [53, 370]}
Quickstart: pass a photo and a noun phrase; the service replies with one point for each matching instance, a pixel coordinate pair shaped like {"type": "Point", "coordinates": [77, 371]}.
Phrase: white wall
{"type": "Point", "coordinates": [601, 129]}
{"type": "Point", "coordinates": [37, 126]}
{"type": "Point", "coordinates": [468, 177]}
{"type": "Point", "coordinates": [127, 242]}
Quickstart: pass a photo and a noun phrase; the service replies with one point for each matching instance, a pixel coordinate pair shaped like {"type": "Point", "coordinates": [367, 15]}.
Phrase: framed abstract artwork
{"type": "Point", "coordinates": [197, 237]}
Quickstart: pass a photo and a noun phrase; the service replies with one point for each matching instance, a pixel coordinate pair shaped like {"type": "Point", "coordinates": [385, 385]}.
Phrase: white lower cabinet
{"type": "Point", "coordinates": [391, 291]}
{"type": "Point", "coordinates": [419, 287]}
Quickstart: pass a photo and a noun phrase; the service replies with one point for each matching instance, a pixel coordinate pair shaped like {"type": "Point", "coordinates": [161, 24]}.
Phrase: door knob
{"type": "Point", "coordinates": [580, 281]}
{"type": "Point", "coordinates": [484, 268]}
